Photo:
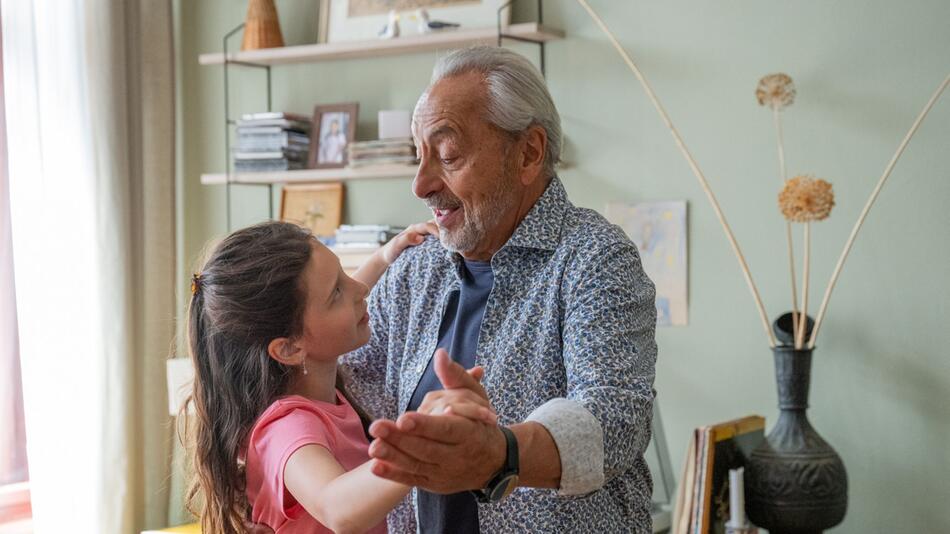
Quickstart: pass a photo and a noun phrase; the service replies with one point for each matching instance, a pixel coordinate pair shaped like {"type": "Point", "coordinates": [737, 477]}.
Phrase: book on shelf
{"type": "Point", "coordinates": [355, 235]}
{"type": "Point", "coordinates": [290, 154]}
{"type": "Point", "coordinates": [382, 143]}
{"type": "Point", "coordinates": [384, 151]}
{"type": "Point", "coordinates": [702, 500]}
{"type": "Point", "coordinates": [271, 115]}
{"type": "Point", "coordinates": [284, 120]}
{"type": "Point", "coordinates": [394, 160]}
{"type": "Point", "coordinates": [264, 165]}
{"type": "Point", "coordinates": [269, 131]}
{"type": "Point", "coordinates": [271, 140]}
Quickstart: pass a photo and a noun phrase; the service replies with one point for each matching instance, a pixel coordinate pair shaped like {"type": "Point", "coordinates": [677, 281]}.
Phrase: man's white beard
{"type": "Point", "coordinates": [476, 222]}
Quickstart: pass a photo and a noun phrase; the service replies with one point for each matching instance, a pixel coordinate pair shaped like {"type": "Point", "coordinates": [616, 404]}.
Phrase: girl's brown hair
{"type": "Point", "coordinates": [249, 292]}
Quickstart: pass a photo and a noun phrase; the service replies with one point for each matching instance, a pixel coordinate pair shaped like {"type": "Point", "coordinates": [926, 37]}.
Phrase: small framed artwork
{"type": "Point", "coordinates": [334, 127]}
{"type": "Point", "coordinates": [318, 207]}
{"type": "Point", "coordinates": [358, 20]}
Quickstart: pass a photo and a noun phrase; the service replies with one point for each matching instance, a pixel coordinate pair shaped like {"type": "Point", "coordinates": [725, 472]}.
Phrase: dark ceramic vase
{"type": "Point", "coordinates": [795, 482]}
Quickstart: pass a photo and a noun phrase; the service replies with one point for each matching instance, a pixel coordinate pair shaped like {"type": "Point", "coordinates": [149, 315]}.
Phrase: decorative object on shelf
{"type": "Point", "coordinates": [391, 29]}
{"type": "Point", "coordinates": [318, 207]}
{"type": "Point", "coordinates": [334, 128]}
{"type": "Point", "coordinates": [394, 124]}
{"type": "Point", "coordinates": [738, 522]}
{"type": "Point", "coordinates": [797, 483]}
{"type": "Point", "coordinates": [261, 27]}
{"type": "Point", "coordinates": [659, 231]}
{"type": "Point", "coordinates": [356, 20]}
{"type": "Point", "coordinates": [426, 25]}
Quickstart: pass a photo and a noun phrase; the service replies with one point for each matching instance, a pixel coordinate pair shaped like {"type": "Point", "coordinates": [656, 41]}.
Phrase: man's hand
{"type": "Point", "coordinates": [443, 453]}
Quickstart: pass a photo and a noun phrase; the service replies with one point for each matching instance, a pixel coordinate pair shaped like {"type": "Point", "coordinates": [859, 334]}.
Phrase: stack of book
{"type": "Point", "coordinates": [399, 150]}
{"type": "Point", "coordinates": [702, 501]}
{"type": "Point", "coordinates": [272, 141]}
{"type": "Point", "coordinates": [354, 244]}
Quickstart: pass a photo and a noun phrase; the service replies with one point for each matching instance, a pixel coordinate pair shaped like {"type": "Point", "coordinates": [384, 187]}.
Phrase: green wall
{"type": "Point", "coordinates": [863, 68]}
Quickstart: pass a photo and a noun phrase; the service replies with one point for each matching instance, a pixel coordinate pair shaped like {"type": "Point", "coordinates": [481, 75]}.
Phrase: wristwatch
{"type": "Point", "coordinates": [506, 480]}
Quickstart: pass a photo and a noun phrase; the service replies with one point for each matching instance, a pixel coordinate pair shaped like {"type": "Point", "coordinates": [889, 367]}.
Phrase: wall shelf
{"type": "Point", "coordinates": [312, 175]}
{"type": "Point", "coordinates": [528, 31]}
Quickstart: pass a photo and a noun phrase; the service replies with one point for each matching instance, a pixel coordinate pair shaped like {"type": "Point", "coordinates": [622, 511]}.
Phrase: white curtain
{"type": "Point", "coordinates": [90, 116]}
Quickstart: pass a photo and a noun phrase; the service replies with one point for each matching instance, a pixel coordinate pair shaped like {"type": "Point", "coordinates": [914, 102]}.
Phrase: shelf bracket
{"type": "Point", "coordinates": [502, 35]}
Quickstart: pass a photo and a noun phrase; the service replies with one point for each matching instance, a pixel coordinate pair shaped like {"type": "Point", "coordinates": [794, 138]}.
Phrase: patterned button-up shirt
{"type": "Point", "coordinates": [567, 340]}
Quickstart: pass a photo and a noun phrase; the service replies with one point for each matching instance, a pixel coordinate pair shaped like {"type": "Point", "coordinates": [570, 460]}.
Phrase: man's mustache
{"type": "Point", "coordinates": [443, 201]}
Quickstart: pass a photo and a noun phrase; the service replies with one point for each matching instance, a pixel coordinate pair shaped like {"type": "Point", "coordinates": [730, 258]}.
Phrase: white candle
{"type": "Point", "coordinates": [736, 498]}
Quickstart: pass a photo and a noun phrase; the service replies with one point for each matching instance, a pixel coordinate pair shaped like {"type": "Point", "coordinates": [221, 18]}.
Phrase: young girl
{"type": "Point", "coordinates": [271, 311]}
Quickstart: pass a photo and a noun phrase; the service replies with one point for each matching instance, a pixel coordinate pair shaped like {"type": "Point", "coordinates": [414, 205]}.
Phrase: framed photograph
{"type": "Point", "coordinates": [360, 20]}
{"type": "Point", "coordinates": [318, 207]}
{"type": "Point", "coordinates": [334, 127]}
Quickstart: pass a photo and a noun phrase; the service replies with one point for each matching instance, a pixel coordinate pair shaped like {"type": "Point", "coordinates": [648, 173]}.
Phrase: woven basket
{"type": "Point", "coordinates": [261, 29]}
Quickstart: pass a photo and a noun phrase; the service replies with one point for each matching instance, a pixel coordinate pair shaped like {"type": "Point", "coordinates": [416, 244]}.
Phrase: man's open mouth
{"type": "Point", "coordinates": [444, 216]}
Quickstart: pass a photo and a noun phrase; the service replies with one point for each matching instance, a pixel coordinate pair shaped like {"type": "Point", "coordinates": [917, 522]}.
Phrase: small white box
{"type": "Point", "coordinates": [394, 124]}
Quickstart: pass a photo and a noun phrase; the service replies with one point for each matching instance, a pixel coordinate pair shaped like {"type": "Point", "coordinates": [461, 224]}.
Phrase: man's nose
{"type": "Point", "coordinates": [427, 182]}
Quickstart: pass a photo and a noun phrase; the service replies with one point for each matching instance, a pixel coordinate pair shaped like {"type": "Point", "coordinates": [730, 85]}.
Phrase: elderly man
{"type": "Point", "coordinates": [550, 299]}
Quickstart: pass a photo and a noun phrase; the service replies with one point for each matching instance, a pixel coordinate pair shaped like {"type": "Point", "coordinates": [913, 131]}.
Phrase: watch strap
{"type": "Point", "coordinates": [492, 492]}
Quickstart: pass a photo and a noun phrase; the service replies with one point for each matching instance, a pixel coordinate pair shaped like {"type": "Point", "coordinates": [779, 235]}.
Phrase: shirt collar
{"type": "Point", "coordinates": [541, 227]}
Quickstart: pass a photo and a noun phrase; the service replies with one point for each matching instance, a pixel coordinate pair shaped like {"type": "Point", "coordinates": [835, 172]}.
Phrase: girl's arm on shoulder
{"type": "Point", "coordinates": [370, 272]}
{"type": "Point", "coordinates": [343, 501]}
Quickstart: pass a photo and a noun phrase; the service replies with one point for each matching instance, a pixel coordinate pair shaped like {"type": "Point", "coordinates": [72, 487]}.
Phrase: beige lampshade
{"type": "Point", "coordinates": [261, 29]}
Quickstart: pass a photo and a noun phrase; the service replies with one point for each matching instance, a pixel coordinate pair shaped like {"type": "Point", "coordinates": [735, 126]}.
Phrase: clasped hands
{"type": "Point", "coordinates": [450, 444]}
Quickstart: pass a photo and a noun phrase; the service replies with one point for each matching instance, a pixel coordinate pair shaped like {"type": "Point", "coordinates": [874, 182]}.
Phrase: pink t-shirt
{"type": "Point", "coordinates": [285, 426]}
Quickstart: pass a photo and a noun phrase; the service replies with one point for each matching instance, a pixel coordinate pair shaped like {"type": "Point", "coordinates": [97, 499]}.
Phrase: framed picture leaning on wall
{"type": "Point", "coordinates": [318, 207]}
{"type": "Point", "coordinates": [334, 127]}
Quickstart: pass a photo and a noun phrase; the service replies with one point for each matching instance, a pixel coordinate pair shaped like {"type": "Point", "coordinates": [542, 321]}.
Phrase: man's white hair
{"type": "Point", "coordinates": [518, 98]}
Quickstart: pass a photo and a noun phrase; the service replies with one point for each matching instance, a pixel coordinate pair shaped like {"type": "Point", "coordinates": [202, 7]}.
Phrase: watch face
{"type": "Point", "coordinates": [504, 487]}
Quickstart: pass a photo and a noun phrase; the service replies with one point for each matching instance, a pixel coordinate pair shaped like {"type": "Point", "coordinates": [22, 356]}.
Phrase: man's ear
{"type": "Point", "coordinates": [284, 350]}
{"type": "Point", "coordinates": [533, 146]}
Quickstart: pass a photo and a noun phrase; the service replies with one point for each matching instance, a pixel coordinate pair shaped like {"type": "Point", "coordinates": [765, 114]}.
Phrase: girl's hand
{"type": "Point", "coordinates": [461, 402]}
{"type": "Point", "coordinates": [411, 236]}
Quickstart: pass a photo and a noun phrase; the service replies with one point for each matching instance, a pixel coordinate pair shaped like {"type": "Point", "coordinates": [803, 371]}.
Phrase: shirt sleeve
{"type": "Point", "coordinates": [580, 443]}
{"type": "Point", "coordinates": [277, 441]}
{"type": "Point", "coordinates": [603, 426]}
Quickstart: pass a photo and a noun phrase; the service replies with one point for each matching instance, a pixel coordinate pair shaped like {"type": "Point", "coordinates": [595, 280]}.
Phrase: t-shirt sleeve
{"type": "Point", "coordinates": [276, 441]}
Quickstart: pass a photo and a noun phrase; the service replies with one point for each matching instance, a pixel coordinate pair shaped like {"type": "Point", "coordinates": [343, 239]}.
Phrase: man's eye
{"type": "Point", "coordinates": [448, 161]}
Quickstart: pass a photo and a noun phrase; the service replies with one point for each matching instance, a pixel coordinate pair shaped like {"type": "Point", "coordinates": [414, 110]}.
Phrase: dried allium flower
{"type": "Point", "coordinates": [806, 199]}
{"type": "Point", "coordinates": [776, 91]}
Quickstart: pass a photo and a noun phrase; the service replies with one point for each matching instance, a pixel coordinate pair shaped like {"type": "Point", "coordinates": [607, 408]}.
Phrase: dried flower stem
{"type": "Point", "coordinates": [788, 225]}
{"type": "Point", "coordinates": [692, 165]}
{"type": "Point", "coordinates": [800, 334]}
{"type": "Point", "coordinates": [867, 207]}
